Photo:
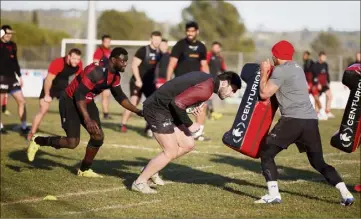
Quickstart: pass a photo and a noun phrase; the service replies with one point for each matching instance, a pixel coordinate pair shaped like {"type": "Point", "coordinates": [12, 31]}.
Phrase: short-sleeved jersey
{"type": "Point", "coordinates": [189, 55]}
{"type": "Point", "coordinates": [150, 57]}
{"type": "Point", "coordinates": [320, 73]}
{"type": "Point", "coordinates": [62, 72]}
{"type": "Point", "coordinates": [216, 63]}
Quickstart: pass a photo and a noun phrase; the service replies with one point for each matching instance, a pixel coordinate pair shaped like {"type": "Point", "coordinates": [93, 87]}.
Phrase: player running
{"type": "Point", "coordinates": [102, 54]}
{"type": "Point", "coordinates": [322, 81]}
{"type": "Point", "coordinates": [77, 107]}
{"type": "Point", "coordinates": [9, 82]}
{"type": "Point", "coordinates": [143, 79]}
{"type": "Point", "coordinates": [216, 66]}
{"type": "Point", "coordinates": [165, 112]}
{"type": "Point", "coordinates": [59, 72]}
{"type": "Point", "coordinates": [298, 123]}
{"type": "Point", "coordinates": [190, 54]}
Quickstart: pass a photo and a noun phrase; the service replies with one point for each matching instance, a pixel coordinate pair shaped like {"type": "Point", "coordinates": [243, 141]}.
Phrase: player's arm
{"type": "Point", "coordinates": [177, 51]}
{"type": "Point", "coordinates": [16, 62]}
{"type": "Point", "coordinates": [203, 58]}
{"type": "Point", "coordinates": [268, 87]}
{"type": "Point", "coordinates": [54, 68]}
{"type": "Point", "coordinates": [122, 99]}
{"type": "Point", "coordinates": [135, 68]}
{"type": "Point", "coordinates": [198, 93]}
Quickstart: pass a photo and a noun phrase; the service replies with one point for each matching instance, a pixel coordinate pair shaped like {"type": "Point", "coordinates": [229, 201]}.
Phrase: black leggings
{"type": "Point", "coordinates": [316, 160]}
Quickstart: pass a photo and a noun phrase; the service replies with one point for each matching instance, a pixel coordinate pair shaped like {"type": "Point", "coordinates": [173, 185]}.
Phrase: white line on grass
{"type": "Point", "coordinates": [109, 207]}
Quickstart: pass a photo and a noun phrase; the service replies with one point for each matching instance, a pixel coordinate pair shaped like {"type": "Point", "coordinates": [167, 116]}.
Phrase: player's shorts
{"type": "Point", "coordinates": [147, 89]}
{"type": "Point", "coordinates": [312, 89]}
{"type": "Point", "coordinates": [303, 132]}
{"type": "Point", "coordinates": [160, 120]}
{"type": "Point", "coordinates": [71, 118]}
{"type": "Point", "coordinates": [9, 84]}
{"type": "Point", "coordinates": [324, 89]}
{"type": "Point", "coordinates": [54, 93]}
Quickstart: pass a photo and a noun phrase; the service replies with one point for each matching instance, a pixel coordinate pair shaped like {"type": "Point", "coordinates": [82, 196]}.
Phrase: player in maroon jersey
{"type": "Point", "coordinates": [77, 107]}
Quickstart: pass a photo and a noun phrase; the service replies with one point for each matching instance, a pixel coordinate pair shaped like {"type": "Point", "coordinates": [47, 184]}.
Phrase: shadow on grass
{"type": "Point", "coordinates": [116, 127]}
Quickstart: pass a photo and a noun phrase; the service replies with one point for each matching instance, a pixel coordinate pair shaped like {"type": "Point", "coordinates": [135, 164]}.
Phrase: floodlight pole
{"type": "Point", "coordinates": [92, 31]}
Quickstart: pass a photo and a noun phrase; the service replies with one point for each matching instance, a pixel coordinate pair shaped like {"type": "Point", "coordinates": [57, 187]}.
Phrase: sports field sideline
{"type": "Point", "coordinates": [211, 182]}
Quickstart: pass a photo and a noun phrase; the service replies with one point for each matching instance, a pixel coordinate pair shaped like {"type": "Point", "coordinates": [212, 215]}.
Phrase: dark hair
{"type": "Point", "coordinates": [6, 27]}
{"type": "Point", "coordinates": [231, 77]}
{"type": "Point", "coordinates": [106, 36]}
{"type": "Point", "coordinates": [118, 51]}
{"type": "Point", "coordinates": [75, 51]}
{"type": "Point", "coordinates": [165, 40]}
{"type": "Point", "coordinates": [217, 43]}
{"type": "Point", "coordinates": [321, 53]}
{"type": "Point", "coordinates": [156, 33]}
{"type": "Point", "coordinates": [307, 52]}
{"type": "Point", "coordinates": [191, 24]}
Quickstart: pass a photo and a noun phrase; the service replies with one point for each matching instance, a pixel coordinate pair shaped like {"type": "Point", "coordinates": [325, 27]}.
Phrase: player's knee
{"type": "Point", "coordinates": [189, 146]}
{"type": "Point", "coordinates": [171, 153]}
{"type": "Point", "coordinates": [21, 102]}
{"type": "Point", "coordinates": [96, 142]}
{"type": "Point", "coordinates": [73, 142]}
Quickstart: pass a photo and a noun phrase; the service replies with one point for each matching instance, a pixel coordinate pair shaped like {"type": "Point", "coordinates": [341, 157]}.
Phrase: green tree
{"type": "Point", "coordinates": [35, 18]}
{"type": "Point", "coordinates": [129, 25]}
{"type": "Point", "coordinates": [218, 20]}
{"type": "Point", "coordinates": [328, 42]}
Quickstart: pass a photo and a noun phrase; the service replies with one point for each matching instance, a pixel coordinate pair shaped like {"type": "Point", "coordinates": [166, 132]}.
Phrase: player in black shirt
{"type": "Point", "coordinates": [9, 82]}
{"type": "Point", "coordinates": [143, 79]}
{"type": "Point", "coordinates": [190, 54]}
{"type": "Point", "coordinates": [161, 70]}
{"type": "Point", "coordinates": [321, 79]}
{"type": "Point", "coordinates": [166, 113]}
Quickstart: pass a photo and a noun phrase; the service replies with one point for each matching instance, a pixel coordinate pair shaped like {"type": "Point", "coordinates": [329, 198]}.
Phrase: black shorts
{"type": "Point", "coordinates": [160, 120]}
{"type": "Point", "coordinates": [303, 132]}
{"type": "Point", "coordinates": [9, 84]}
{"type": "Point", "coordinates": [54, 93]}
{"type": "Point", "coordinates": [147, 89]}
{"type": "Point", "coordinates": [71, 117]}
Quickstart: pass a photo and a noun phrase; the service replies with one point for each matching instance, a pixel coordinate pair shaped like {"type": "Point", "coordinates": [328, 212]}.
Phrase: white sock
{"type": "Point", "coordinates": [24, 125]}
{"type": "Point", "coordinates": [1, 125]}
{"type": "Point", "coordinates": [201, 129]}
{"type": "Point", "coordinates": [273, 188]}
{"type": "Point", "coordinates": [343, 190]}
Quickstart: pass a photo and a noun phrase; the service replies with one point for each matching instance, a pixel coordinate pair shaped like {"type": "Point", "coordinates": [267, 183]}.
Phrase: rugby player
{"type": "Point", "coordinates": [190, 54]}
{"type": "Point", "coordinates": [9, 82]}
{"type": "Point", "coordinates": [298, 123]}
{"type": "Point", "coordinates": [143, 80]}
{"type": "Point", "coordinates": [77, 107]}
{"type": "Point", "coordinates": [165, 112]}
{"type": "Point", "coordinates": [102, 54]}
{"type": "Point", "coordinates": [161, 70]}
{"type": "Point", "coordinates": [59, 72]}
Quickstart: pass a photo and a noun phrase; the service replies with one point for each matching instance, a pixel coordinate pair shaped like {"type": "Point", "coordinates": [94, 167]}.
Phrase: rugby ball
{"type": "Point", "coordinates": [190, 109]}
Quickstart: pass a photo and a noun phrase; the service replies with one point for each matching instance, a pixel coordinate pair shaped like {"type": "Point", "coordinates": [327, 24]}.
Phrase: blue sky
{"type": "Point", "coordinates": [274, 16]}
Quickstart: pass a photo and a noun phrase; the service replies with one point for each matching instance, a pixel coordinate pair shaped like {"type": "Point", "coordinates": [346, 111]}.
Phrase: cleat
{"type": "Point", "coordinates": [25, 131]}
{"type": "Point", "coordinates": [149, 133]}
{"type": "Point", "coordinates": [123, 128]}
{"type": "Point", "coordinates": [348, 201]}
{"type": "Point", "coordinates": [7, 113]}
{"type": "Point", "coordinates": [202, 138]}
{"type": "Point", "coordinates": [357, 188]}
{"type": "Point", "coordinates": [3, 131]}
{"type": "Point", "coordinates": [89, 173]}
{"type": "Point", "coordinates": [267, 199]}
{"type": "Point", "coordinates": [32, 149]}
{"type": "Point", "coordinates": [155, 179]}
{"type": "Point", "coordinates": [322, 117]}
{"type": "Point", "coordinates": [107, 117]}
{"type": "Point", "coordinates": [143, 188]}
{"type": "Point", "coordinates": [330, 115]}
{"type": "Point", "coordinates": [216, 116]}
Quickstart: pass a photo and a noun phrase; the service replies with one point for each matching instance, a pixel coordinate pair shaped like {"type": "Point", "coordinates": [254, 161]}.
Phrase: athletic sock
{"type": "Point", "coordinates": [3, 108]}
{"type": "Point", "coordinates": [85, 166]}
{"type": "Point", "coordinates": [201, 129]}
{"type": "Point", "coordinates": [273, 188]}
{"type": "Point", "coordinates": [343, 190]}
{"type": "Point", "coordinates": [106, 115]}
{"type": "Point", "coordinates": [48, 141]}
{"type": "Point", "coordinates": [24, 125]}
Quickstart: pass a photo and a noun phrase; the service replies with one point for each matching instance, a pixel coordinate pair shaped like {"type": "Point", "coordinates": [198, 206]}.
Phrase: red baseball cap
{"type": "Point", "coordinates": [283, 50]}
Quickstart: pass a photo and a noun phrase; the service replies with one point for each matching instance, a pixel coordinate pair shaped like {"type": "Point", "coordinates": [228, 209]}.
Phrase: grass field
{"type": "Point", "coordinates": [211, 182]}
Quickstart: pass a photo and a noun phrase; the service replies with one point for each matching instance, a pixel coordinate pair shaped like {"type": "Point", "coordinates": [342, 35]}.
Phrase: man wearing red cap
{"type": "Point", "coordinates": [298, 123]}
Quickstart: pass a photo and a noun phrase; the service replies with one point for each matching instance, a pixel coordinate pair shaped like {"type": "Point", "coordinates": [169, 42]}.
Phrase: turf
{"type": "Point", "coordinates": [211, 182]}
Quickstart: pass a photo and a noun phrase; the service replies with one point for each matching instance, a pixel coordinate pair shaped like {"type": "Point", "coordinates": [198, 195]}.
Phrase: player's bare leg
{"type": "Point", "coordinates": [328, 104]}
{"type": "Point", "coordinates": [2, 130]}
{"type": "Point", "coordinates": [4, 103]}
{"type": "Point", "coordinates": [20, 100]}
{"type": "Point", "coordinates": [44, 107]}
{"type": "Point", "coordinates": [174, 146]}
{"type": "Point", "coordinates": [135, 101]}
{"type": "Point", "coordinates": [105, 103]}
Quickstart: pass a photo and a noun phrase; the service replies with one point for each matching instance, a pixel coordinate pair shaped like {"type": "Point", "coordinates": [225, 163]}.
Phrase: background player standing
{"type": "Point", "coordinates": [162, 67]}
{"type": "Point", "coordinates": [59, 72]}
{"type": "Point", "coordinates": [190, 54]}
{"type": "Point", "coordinates": [77, 107]}
{"type": "Point", "coordinates": [9, 82]}
{"type": "Point", "coordinates": [143, 80]}
{"type": "Point", "coordinates": [102, 53]}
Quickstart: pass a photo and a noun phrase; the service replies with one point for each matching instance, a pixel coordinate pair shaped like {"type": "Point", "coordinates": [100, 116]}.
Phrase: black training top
{"type": "Point", "coordinates": [307, 65]}
{"type": "Point", "coordinates": [163, 66]}
{"type": "Point", "coordinates": [181, 92]}
{"type": "Point", "coordinates": [150, 57]}
{"type": "Point", "coordinates": [189, 55]}
{"type": "Point", "coordinates": [320, 73]}
{"type": "Point", "coordinates": [9, 64]}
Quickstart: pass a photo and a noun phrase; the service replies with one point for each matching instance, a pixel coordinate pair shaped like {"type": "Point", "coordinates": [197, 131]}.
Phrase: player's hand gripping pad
{"type": "Point", "coordinates": [348, 137]}
{"type": "Point", "coordinates": [254, 116]}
